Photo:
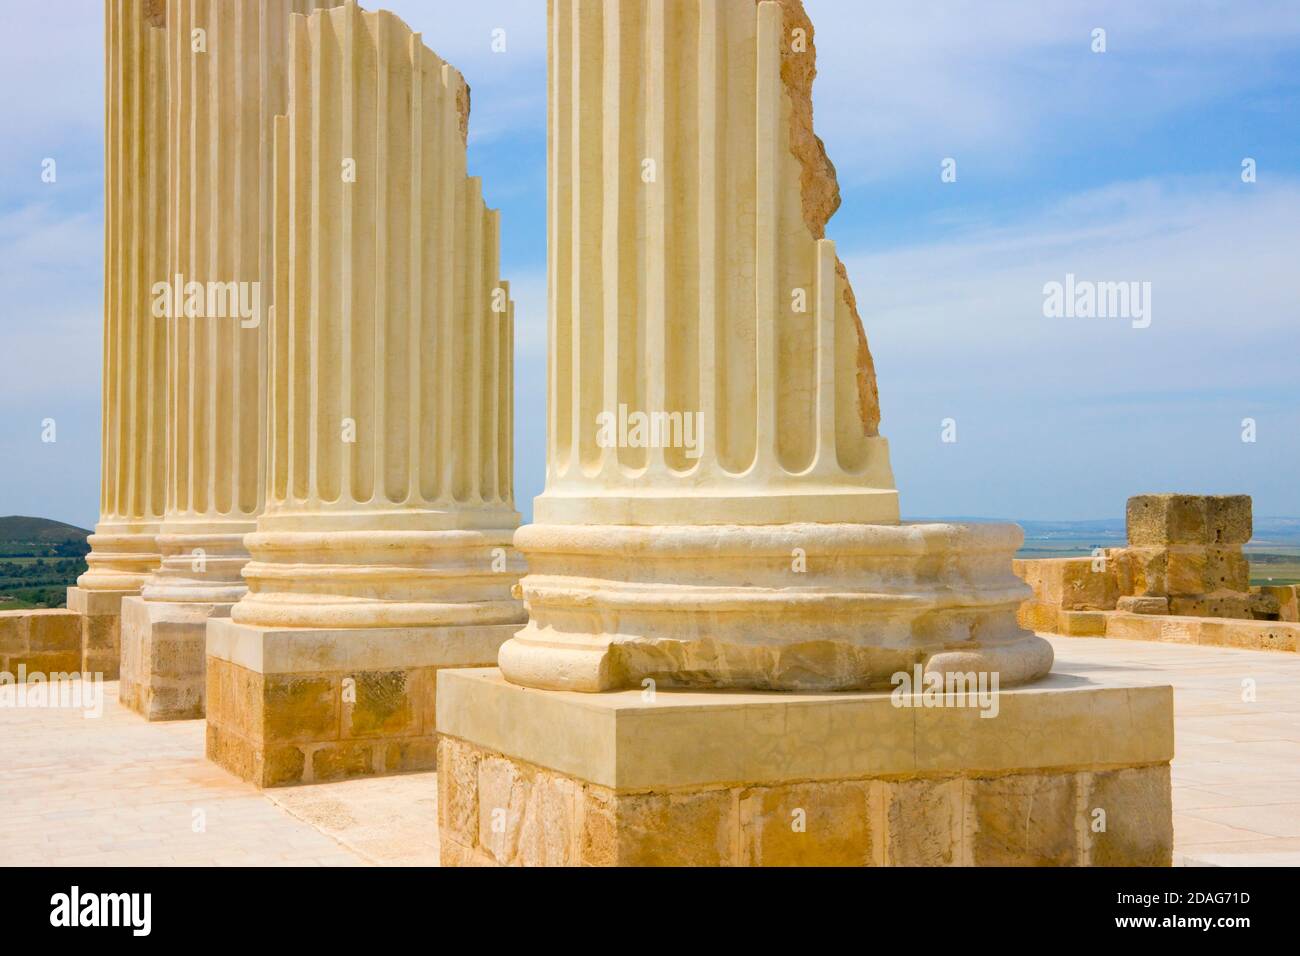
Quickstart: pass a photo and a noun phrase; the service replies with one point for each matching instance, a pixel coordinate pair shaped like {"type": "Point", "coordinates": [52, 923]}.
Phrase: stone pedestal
{"type": "Point", "coordinates": [1067, 773]}
{"type": "Point", "coordinates": [162, 657]}
{"type": "Point", "coordinates": [290, 706]}
{"type": "Point", "coordinates": [101, 628]}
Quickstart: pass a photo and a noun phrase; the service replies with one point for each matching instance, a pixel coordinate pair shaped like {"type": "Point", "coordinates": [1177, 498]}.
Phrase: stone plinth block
{"type": "Point", "coordinates": [1206, 520]}
{"type": "Point", "coordinates": [770, 607]}
{"type": "Point", "coordinates": [101, 628]}
{"type": "Point", "coordinates": [1195, 629]}
{"type": "Point", "coordinates": [39, 641]}
{"type": "Point", "coordinates": [1073, 584]}
{"type": "Point", "coordinates": [1067, 772]}
{"type": "Point", "coordinates": [300, 705]}
{"type": "Point", "coordinates": [163, 647]}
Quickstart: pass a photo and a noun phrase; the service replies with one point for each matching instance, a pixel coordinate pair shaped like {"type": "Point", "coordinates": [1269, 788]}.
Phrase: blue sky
{"type": "Point", "coordinates": [1114, 166]}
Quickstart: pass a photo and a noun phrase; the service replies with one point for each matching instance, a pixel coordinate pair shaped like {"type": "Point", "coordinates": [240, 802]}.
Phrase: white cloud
{"type": "Point", "coordinates": [1064, 418]}
{"type": "Point", "coordinates": [906, 84]}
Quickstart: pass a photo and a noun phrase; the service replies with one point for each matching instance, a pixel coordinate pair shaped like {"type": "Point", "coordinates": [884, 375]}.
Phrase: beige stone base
{"type": "Point", "coordinates": [100, 613]}
{"type": "Point", "coordinates": [287, 706]}
{"type": "Point", "coordinates": [1068, 772]}
{"type": "Point", "coordinates": [1215, 632]}
{"type": "Point", "coordinates": [1169, 628]}
{"type": "Point", "coordinates": [39, 641]}
{"type": "Point", "coordinates": [163, 648]}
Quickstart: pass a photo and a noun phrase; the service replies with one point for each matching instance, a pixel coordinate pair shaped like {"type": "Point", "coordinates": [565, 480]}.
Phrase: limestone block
{"type": "Point", "coordinates": [1204, 520]}
{"type": "Point", "coordinates": [1023, 820]}
{"type": "Point", "coordinates": [1137, 827]}
{"type": "Point", "coordinates": [341, 761]}
{"type": "Point", "coordinates": [1142, 572]}
{"type": "Point", "coordinates": [40, 641]}
{"type": "Point", "coordinates": [1071, 594]}
{"type": "Point", "coordinates": [13, 636]}
{"type": "Point", "coordinates": [1221, 604]}
{"type": "Point", "coordinates": [549, 834]}
{"type": "Point", "coordinates": [1038, 617]}
{"type": "Point", "coordinates": [1254, 635]}
{"type": "Point", "coordinates": [921, 822]}
{"type": "Point", "coordinates": [52, 630]}
{"type": "Point", "coordinates": [1214, 631]}
{"type": "Point", "coordinates": [1229, 520]}
{"type": "Point", "coordinates": [1082, 623]}
{"type": "Point", "coordinates": [458, 768]}
{"type": "Point", "coordinates": [1144, 605]}
{"type": "Point", "coordinates": [811, 824]}
{"type": "Point", "coordinates": [1076, 584]}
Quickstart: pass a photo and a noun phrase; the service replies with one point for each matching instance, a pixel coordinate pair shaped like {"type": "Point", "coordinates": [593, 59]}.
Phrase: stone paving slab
{"type": "Point", "coordinates": [119, 791]}
{"type": "Point", "coordinates": [116, 790]}
{"type": "Point", "coordinates": [1236, 770]}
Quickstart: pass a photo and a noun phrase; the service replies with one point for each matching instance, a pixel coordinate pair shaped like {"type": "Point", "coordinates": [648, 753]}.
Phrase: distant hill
{"type": "Point", "coordinates": [39, 559]}
{"type": "Point", "coordinates": [37, 537]}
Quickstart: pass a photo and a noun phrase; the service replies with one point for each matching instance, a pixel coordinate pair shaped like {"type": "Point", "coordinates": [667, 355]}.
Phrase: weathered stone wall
{"type": "Point", "coordinates": [44, 641]}
{"type": "Point", "coordinates": [279, 729]}
{"type": "Point", "coordinates": [496, 810]}
{"type": "Point", "coordinates": [1184, 558]}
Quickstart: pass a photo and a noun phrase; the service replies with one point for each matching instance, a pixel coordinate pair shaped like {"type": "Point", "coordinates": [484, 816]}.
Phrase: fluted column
{"type": "Point", "coordinates": [124, 549]}
{"type": "Point", "coordinates": [719, 507]}
{"type": "Point", "coordinates": [228, 77]}
{"type": "Point", "coordinates": [690, 283]}
{"type": "Point", "coordinates": [389, 490]}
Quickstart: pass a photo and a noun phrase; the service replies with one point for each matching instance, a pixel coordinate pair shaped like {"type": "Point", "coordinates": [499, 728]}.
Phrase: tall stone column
{"type": "Point", "coordinates": [720, 515]}
{"type": "Point", "coordinates": [384, 552]}
{"type": "Point", "coordinates": [228, 79]}
{"type": "Point", "coordinates": [124, 548]}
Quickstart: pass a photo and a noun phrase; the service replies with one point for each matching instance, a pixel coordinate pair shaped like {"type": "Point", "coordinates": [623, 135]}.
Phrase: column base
{"type": "Point", "coordinates": [796, 607]}
{"type": "Point", "coordinates": [163, 648]}
{"type": "Point", "coordinates": [1068, 772]}
{"type": "Point", "coordinates": [101, 628]}
{"type": "Point", "coordinates": [306, 705]}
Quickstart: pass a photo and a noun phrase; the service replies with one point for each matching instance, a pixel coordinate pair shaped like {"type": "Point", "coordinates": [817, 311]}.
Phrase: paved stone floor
{"type": "Point", "coordinates": [118, 790]}
{"type": "Point", "coordinates": [1236, 770]}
